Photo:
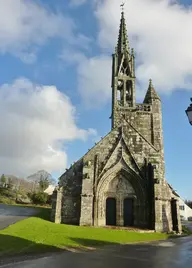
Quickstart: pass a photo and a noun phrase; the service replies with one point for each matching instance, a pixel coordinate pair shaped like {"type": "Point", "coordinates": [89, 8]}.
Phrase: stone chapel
{"type": "Point", "coordinates": [121, 180]}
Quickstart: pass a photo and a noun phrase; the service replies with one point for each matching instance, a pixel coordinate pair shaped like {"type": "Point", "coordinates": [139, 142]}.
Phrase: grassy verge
{"type": "Point", "coordinates": [37, 234]}
{"type": "Point", "coordinates": [186, 230]}
{"type": "Point", "coordinates": [6, 200]}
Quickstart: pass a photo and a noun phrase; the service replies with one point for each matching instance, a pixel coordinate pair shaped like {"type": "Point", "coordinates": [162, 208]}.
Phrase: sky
{"type": "Point", "coordinates": [55, 94]}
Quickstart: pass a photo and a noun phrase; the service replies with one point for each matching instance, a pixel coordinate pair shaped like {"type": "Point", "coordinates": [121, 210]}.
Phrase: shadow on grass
{"type": "Point", "coordinates": [12, 247]}
{"type": "Point", "coordinates": [44, 213]}
{"type": "Point", "coordinates": [82, 242]}
{"type": "Point", "coordinates": [131, 248]}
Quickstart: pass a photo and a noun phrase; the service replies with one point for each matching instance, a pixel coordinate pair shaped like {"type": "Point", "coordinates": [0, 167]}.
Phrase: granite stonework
{"type": "Point", "coordinates": [127, 164]}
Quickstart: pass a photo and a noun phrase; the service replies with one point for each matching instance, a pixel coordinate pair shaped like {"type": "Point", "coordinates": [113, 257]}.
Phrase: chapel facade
{"type": "Point", "coordinates": [121, 180]}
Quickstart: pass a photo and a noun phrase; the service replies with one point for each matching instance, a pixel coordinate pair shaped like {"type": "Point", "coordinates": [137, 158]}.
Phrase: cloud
{"type": "Point", "coordinates": [35, 122]}
{"type": "Point", "coordinates": [25, 26]}
{"type": "Point", "coordinates": [94, 77]}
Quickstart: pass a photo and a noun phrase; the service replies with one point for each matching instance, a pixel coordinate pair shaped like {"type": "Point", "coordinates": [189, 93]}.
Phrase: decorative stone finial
{"type": "Point", "coordinates": [151, 93]}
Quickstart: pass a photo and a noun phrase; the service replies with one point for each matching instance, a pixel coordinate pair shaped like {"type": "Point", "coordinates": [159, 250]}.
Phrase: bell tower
{"type": "Point", "coordinates": [123, 74]}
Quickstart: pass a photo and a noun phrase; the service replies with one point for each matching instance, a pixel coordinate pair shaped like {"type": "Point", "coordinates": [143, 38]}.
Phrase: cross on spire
{"type": "Point", "coordinates": [122, 6]}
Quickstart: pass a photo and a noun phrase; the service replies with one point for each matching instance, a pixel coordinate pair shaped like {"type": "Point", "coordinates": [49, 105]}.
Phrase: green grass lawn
{"type": "Point", "coordinates": [37, 234]}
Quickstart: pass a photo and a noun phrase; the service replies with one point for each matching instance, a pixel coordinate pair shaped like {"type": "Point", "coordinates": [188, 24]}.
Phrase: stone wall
{"type": "Point", "coordinates": [70, 201]}
{"type": "Point", "coordinates": [56, 210]}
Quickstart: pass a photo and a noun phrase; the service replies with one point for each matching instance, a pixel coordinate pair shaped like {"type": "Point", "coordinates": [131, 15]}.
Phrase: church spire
{"type": "Point", "coordinates": [151, 93]}
{"type": "Point", "coordinates": [123, 43]}
{"type": "Point", "coordinates": [123, 75]}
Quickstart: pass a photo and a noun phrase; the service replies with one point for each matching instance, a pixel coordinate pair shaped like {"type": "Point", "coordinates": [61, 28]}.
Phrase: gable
{"type": "Point", "coordinates": [120, 153]}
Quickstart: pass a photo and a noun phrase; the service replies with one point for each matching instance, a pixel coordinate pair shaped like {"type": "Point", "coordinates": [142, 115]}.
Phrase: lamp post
{"type": "Point", "coordinates": [189, 112]}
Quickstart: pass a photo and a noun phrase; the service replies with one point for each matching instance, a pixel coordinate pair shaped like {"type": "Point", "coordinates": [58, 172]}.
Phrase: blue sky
{"type": "Point", "coordinates": [55, 79]}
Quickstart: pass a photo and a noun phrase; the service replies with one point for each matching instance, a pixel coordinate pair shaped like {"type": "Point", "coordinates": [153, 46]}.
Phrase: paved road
{"type": "Point", "coordinates": [176, 253]}
{"type": "Point", "coordinates": [12, 214]}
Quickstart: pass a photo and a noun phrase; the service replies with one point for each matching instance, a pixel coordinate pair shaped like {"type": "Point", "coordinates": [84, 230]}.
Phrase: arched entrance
{"type": "Point", "coordinates": [120, 184]}
{"type": "Point", "coordinates": [128, 212]}
{"type": "Point", "coordinates": [111, 211]}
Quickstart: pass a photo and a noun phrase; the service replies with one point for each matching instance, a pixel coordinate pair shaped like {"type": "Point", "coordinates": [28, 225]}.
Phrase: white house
{"type": "Point", "coordinates": [185, 210]}
{"type": "Point", "coordinates": [50, 190]}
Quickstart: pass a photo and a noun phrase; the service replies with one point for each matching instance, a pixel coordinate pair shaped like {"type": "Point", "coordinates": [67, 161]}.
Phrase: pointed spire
{"type": "Point", "coordinates": [123, 43]}
{"type": "Point", "coordinates": [151, 93]}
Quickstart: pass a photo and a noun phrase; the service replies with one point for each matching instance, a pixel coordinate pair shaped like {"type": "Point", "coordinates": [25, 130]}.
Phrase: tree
{"type": "Point", "coordinates": [10, 183]}
{"type": "Point", "coordinates": [3, 180]}
{"type": "Point", "coordinates": [41, 180]}
{"type": "Point", "coordinates": [189, 203]}
{"type": "Point", "coordinates": [43, 183]}
{"type": "Point", "coordinates": [39, 198]}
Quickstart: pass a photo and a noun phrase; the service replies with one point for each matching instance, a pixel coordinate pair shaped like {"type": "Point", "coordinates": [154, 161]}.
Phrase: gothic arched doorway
{"type": "Point", "coordinates": [128, 212]}
{"type": "Point", "coordinates": [119, 184]}
{"type": "Point", "coordinates": [111, 211]}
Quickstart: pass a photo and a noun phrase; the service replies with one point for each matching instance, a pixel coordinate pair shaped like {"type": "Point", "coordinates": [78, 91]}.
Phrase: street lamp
{"type": "Point", "coordinates": [189, 112]}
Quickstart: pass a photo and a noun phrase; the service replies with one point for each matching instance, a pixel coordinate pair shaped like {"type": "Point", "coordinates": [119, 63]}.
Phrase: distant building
{"type": "Point", "coordinates": [50, 190]}
{"type": "Point", "coordinates": [185, 210]}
